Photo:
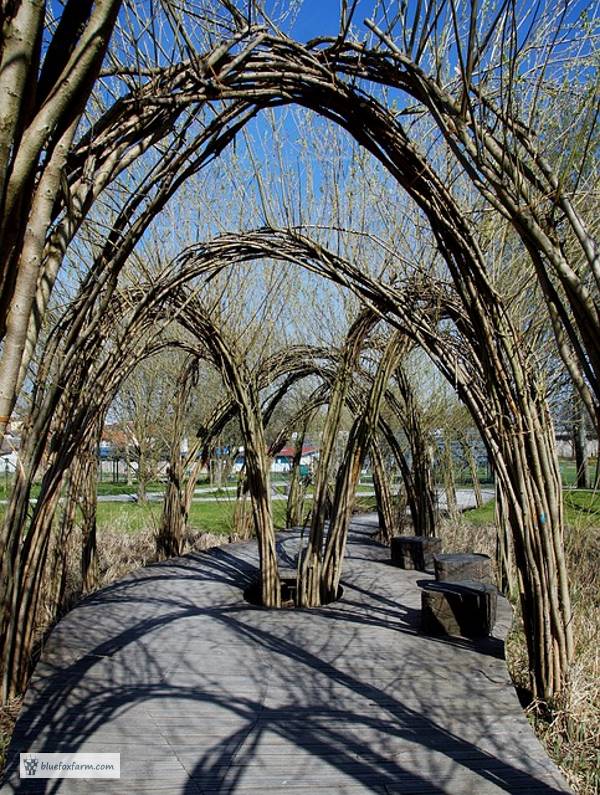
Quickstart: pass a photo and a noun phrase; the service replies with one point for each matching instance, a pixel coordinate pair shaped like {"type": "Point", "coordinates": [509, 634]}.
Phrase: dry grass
{"type": "Point", "coordinates": [121, 553]}
{"type": "Point", "coordinates": [570, 727]}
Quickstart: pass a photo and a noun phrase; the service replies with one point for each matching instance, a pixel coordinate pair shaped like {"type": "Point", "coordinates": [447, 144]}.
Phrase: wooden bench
{"type": "Point", "coordinates": [464, 609]}
{"type": "Point", "coordinates": [414, 552]}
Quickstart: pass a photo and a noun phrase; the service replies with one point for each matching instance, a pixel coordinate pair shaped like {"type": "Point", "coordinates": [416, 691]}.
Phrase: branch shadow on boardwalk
{"type": "Point", "coordinates": [201, 692]}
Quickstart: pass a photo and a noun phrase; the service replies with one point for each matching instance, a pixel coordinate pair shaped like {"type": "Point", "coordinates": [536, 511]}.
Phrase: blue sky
{"type": "Point", "coordinates": [317, 18]}
{"type": "Point", "coordinates": [321, 18]}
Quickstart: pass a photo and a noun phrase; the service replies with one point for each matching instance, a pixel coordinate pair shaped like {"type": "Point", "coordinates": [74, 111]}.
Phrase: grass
{"type": "Point", "coordinates": [208, 517]}
{"type": "Point", "coordinates": [582, 508]}
{"type": "Point", "coordinates": [479, 517]}
{"type": "Point", "coordinates": [365, 504]}
{"type": "Point", "coordinates": [107, 488]}
{"type": "Point", "coordinates": [568, 471]}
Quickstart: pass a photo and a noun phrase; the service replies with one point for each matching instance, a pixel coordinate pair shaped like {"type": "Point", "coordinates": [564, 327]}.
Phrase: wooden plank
{"type": "Point", "coordinates": [171, 668]}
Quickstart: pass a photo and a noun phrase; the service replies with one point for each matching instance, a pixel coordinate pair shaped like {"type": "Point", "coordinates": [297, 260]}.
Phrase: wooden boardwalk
{"type": "Point", "coordinates": [201, 693]}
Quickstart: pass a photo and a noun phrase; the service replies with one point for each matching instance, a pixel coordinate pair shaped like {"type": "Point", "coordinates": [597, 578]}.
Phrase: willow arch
{"type": "Point", "coordinates": [493, 377]}
{"type": "Point", "coordinates": [269, 72]}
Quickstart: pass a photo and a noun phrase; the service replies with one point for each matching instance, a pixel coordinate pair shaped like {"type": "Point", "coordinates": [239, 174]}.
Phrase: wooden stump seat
{"type": "Point", "coordinates": [464, 609]}
{"type": "Point", "coordinates": [414, 552]}
{"type": "Point", "coordinates": [459, 567]}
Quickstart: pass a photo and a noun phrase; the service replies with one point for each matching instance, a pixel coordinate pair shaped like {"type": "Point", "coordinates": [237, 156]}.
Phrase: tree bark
{"type": "Point", "coordinates": [386, 512]}
{"type": "Point", "coordinates": [171, 534]}
{"type": "Point", "coordinates": [419, 480]}
{"type": "Point", "coordinates": [295, 500]}
{"type": "Point", "coordinates": [309, 575]}
{"type": "Point", "coordinates": [472, 464]}
{"type": "Point", "coordinates": [359, 441]}
{"type": "Point", "coordinates": [580, 443]}
{"type": "Point", "coordinates": [89, 503]}
{"type": "Point", "coordinates": [448, 476]}
{"type": "Point", "coordinates": [505, 566]}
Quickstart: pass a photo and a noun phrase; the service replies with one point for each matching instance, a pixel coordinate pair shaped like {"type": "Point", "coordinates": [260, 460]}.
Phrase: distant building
{"type": "Point", "coordinates": [282, 462]}
{"type": "Point", "coordinates": [285, 457]}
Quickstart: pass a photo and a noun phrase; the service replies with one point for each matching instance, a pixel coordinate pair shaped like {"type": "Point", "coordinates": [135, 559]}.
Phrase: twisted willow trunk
{"type": "Point", "coordinates": [171, 534]}
{"type": "Point", "coordinates": [404, 468]}
{"type": "Point", "coordinates": [530, 477]}
{"type": "Point", "coordinates": [242, 522]}
{"type": "Point", "coordinates": [169, 539]}
{"type": "Point", "coordinates": [580, 442]}
{"type": "Point", "coordinates": [449, 480]}
{"type": "Point", "coordinates": [309, 585]}
{"type": "Point", "coordinates": [89, 503]}
{"type": "Point", "coordinates": [386, 512]}
{"type": "Point", "coordinates": [505, 564]}
{"type": "Point", "coordinates": [293, 512]}
{"type": "Point", "coordinates": [259, 486]}
{"type": "Point", "coordinates": [245, 390]}
{"type": "Point", "coordinates": [59, 562]}
{"type": "Point", "coordinates": [359, 441]}
{"type": "Point", "coordinates": [419, 478]}
{"type": "Point", "coordinates": [179, 493]}
{"type": "Point", "coordinates": [472, 464]}
{"type": "Point", "coordinates": [26, 543]}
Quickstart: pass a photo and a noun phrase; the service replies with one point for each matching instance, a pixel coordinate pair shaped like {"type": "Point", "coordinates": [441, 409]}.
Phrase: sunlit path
{"type": "Point", "coordinates": [202, 693]}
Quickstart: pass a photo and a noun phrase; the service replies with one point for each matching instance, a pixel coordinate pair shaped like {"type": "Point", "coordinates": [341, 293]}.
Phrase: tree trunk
{"type": "Point", "coordinates": [449, 481]}
{"type": "Point", "coordinates": [170, 538]}
{"type": "Point", "coordinates": [89, 502]}
{"type": "Point", "coordinates": [419, 479]}
{"type": "Point", "coordinates": [309, 575]}
{"type": "Point", "coordinates": [259, 486]}
{"type": "Point", "coordinates": [472, 463]}
{"type": "Point", "coordinates": [295, 500]}
{"type": "Point", "coordinates": [58, 568]}
{"type": "Point", "coordinates": [505, 567]}
{"type": "Point", "coordinates": [142, 478]}
{"type": "Point", "coordinates": [531, 479]}
{"type": "Point", "coordinates": [22, 576]}
{"type": "Point", "coordinates": [128, 479]}
{"type": "Point", "coordinates": [242, 510]}
{"type": "Point", "coordinates": [359, 441]}
{"type": "Point", "coordinates": [405, 472]}
{"type": "Point", "coordinates": [388, 520]}
{"type": "Point", "coordinates": [245, 391]}
{"type": "Point", "coordinates": [580, 442]}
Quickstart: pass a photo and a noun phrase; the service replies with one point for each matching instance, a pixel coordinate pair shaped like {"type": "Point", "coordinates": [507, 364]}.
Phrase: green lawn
{"type": "Point", "coordinates": [481, 516]}
{"type": "Point", "coordinates": [213, 517]}
{"type": "Point", "coordinates": [581, 508]}
{"type": "Point", "coordinates": [568, 471]}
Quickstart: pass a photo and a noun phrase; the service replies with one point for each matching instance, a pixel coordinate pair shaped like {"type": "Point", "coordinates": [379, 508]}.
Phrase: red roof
{"type": "Point", "coordinates": [289, 452]}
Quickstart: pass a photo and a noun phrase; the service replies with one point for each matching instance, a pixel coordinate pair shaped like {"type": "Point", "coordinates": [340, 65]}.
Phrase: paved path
{"type": "Point", "coordinates": [465, 498]}
{"type": "Point", "coordinates": [201, 693]}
